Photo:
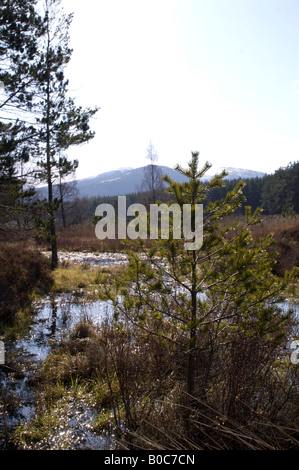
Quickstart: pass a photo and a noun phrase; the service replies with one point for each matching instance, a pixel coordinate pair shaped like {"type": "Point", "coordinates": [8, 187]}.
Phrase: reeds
{"type": "Point", "coordinates": [217, 431]}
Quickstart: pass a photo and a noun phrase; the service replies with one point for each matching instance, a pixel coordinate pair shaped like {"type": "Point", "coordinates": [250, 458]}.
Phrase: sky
{"type": "Point", "coordinates": [220, 77]}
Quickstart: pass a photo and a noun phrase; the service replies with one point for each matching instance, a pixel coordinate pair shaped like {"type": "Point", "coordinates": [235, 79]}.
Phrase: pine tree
{"type": "Point", "coordinates": [20, 28]}
{"type": "Point", "coordinates": [198, 299]}
{"type": "Point", "coordinates": [60, 122]}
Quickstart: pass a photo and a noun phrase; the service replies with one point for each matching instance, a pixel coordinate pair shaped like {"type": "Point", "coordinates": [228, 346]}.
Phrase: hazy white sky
{"type": "Point", "coordinates": [216, 76]}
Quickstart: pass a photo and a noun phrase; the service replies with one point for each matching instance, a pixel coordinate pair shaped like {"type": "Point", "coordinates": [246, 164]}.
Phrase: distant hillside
{"type": "Point", "coordinates": [236, 173]}
{"type": "Point", "coordinates": [119, 182]}
{"type": "Point", "coordinates": [129, 180]}
{"type": "Point", "coordinates": [277, 193]}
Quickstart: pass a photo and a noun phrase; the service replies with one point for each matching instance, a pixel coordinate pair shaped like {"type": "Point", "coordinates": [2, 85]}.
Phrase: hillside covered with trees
{"type": "Point", "coordinates": [276, 193]}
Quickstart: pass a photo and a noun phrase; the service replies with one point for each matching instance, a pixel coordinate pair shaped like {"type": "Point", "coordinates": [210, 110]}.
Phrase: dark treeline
{"type": "Point", "coordinates": [277, 193]}
{"type": "Point", "coordinates": [83, 209]}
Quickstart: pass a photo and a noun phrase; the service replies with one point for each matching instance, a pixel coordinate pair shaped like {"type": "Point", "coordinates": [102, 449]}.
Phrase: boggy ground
{"type": "Point", "coordinates": [285, 229]}
{"type": "Point", "coordinates": [136, 382]}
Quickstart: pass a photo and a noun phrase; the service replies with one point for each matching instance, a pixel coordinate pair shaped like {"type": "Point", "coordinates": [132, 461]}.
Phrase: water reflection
{"type": "Point", "coordinates": [54, 314]}
{"type": "Point", "coordinates": [54, 319]}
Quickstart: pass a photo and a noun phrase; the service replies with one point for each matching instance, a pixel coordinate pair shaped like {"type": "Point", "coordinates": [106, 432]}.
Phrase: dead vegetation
{"type": "Point", "coordinates": [137, 381]}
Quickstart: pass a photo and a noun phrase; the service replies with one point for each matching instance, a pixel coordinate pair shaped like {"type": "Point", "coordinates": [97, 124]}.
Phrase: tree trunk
{"type": "Point", "coordinates": [63, 216]}
{"type": "Point", "coordinates": [54, 261]}
{"type": "Point", "coordinates": [193, 328]}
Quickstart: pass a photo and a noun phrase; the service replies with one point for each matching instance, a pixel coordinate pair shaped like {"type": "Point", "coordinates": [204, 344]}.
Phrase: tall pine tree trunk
{"type": "Point", "coordinates": [54, 260]}
{"type": "Point", "coordinates": [61, 123]}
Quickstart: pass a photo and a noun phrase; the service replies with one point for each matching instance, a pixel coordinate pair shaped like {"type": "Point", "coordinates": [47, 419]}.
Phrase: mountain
{"type": "Point", "coordinates": [236, 173]}
{"type": "Point", "coordinates": [128, 180]}
{"type": "Point", "coordinates": [119, 182]}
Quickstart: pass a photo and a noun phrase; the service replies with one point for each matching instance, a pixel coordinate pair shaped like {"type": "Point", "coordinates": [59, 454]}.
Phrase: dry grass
{"type": "Point", "coordinates": [286, 240]}
{"type": "Point", "coordinates": [285, 230]}
{"type": "Point", "coordinates": [83, 238]}
{"type": "Point", "coordinates": [217, 431]}
{"type": "Point", "coordinates": [83, 279]}
{"type": "Point", "coordinates": [75, 238]}
{"type": "Point", "coordinates": [24, 273]}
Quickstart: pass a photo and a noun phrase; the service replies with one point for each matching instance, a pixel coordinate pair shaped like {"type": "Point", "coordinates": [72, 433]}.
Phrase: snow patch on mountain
{"type": "Point", "coordinates": [234, 173]}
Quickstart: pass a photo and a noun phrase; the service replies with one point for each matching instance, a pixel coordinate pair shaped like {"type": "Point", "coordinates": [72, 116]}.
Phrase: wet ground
{"type": "Point", "coordinates": [54, 319]}
{"type": "Point", "coordinates": [101, 259]}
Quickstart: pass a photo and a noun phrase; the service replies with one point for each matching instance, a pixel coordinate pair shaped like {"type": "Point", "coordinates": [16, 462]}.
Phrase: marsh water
{"type": "Point", "coordinates": [54, 319]}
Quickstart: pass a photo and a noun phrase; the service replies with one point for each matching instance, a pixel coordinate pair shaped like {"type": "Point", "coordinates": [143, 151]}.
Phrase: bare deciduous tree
{"type": "Point", "coordinates": [152, 182]}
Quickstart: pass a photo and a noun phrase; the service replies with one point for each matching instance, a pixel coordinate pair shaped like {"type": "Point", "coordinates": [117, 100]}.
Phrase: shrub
{"type": "Point", "coordinates": [23, 273]}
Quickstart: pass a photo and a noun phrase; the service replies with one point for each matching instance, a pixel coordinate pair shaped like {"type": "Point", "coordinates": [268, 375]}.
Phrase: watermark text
{"type": "Point", "coordinates": [163, 221]}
